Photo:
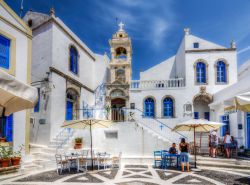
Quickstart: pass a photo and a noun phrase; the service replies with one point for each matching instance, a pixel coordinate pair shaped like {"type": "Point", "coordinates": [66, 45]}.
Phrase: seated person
{"type": "Point", "coordinates": [172, 150]}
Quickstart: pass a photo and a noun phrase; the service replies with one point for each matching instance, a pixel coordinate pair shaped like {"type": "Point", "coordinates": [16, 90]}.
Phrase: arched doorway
{"type": "Point", "coordinates": [117, 113]}
{"type": "Point", "coordinates": [201, 102]}
{"type": "Point", "coordinates": [72, 104]}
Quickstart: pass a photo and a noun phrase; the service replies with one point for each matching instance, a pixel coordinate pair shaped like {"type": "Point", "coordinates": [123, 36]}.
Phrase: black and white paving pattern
{"type": "Point", "coordinates": [133, 175]}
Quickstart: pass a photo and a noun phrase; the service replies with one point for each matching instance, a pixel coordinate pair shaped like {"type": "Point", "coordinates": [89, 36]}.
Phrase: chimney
{"type": "Point", "coordinates": [52, 11]}
{"type": "Point", "coordinates": [186, 31]}
{"type": "Point", "coordinates": [233, 44]}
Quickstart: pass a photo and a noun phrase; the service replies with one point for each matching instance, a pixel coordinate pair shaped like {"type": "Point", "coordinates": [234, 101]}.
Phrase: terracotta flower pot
{"type": "Point", "coordinates": [2, 139]}
{"type": "Point", "coordinates": [5, 162]}
{"type": "Point", "coordinates": [78, 146]}
{"type": "Point", "coordinates": [15, 161]}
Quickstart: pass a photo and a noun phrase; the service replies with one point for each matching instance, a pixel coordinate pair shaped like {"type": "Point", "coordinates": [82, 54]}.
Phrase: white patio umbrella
{"type": "Point", "coordinates": [88, 124]}
{"type": "Point", "coordinates": [197, 125]}
{"type": "Point", "coordinates": [240, 102]}
{"type": "Point", "coordinates": [15, 95]}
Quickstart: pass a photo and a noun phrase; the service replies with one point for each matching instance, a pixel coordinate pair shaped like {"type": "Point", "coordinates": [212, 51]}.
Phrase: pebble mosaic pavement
{"type": "Point", "coordinates": [133, 175]}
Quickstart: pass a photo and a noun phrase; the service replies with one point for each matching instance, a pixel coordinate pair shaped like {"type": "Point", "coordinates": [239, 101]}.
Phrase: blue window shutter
{"type": "Point", "coordinates": [224, 72]}
{"type": "Point", "coordinates": [37, 106]}
{"type": "Point", "coordinates": [200, 72]}
{"type": "Point", "coordinates": [69, 110]}
{"type": "Point", "coordinates": [207, 115]}
{"type": "Point", "coordinates": [9, 128]}
{"type": "Point", "coordinates": [73, 60]}
{"type": "Point", "coordinates": [204, 73]}
{"type": "Point", "coordinates": [196, 115]}
{"type": "Point", "coordinates": [226, 127]}
{"type": "Point", "coordinates": [221, 72]}
{"type": "Point", "coordinates": [76, 64]}
{"type": "Point", "coordinates": [4, 52]}
{"type": "Point", "coordinates": [149, 107]}
{"type": "Point", "coordinates": [168, 107]}
{"type": "Point", "coordinates": [248, 131]}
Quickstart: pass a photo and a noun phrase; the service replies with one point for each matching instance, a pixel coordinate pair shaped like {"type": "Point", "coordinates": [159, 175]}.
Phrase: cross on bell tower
{"type": "Point", "coordinates": [121, 25]}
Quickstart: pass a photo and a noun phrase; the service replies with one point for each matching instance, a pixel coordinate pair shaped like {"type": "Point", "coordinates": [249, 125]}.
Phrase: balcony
{"type": "Point", "coordinates": [157, 84]}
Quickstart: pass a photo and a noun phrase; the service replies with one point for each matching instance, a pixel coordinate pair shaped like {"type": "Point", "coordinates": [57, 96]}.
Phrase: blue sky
{"type": "Point", "coordinates": [155, 26]}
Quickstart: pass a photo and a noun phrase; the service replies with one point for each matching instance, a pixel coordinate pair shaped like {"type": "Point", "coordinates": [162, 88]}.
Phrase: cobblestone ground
{"type": "Point", "coordinates": [133, 175]}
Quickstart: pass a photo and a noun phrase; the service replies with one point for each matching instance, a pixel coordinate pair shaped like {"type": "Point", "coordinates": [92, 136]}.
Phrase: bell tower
{"type": "Point", "coordinates": [120, 70]}
{"type": "Point", "coordinates": [121, 52]}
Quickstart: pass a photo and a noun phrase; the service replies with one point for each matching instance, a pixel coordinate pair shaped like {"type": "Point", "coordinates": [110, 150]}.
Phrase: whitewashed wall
{"type": "Point", "coordinates": [19, 125]}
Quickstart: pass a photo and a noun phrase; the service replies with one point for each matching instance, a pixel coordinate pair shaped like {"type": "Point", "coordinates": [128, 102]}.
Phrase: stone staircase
{"type": "Point", "coordinates": [155, 127]}
{"type": "Point", "coordinates": [223, 163]}
{"type": "Point", "coordinates": [43, 157]}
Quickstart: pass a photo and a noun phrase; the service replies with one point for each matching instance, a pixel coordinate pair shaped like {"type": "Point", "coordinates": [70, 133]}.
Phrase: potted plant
{"type": "Point", "coordinates": [2, 139]}
{"type": "Point", "coordinates": [107, 108]}
{"type": "Point", "coordinates": [16, 156]}
{"type": "Point", "coordinates": [4, 156]}
{"type": "Point", "coordinates": [242, 149]}
{"type": "Point", "coordinates": [78, 143]}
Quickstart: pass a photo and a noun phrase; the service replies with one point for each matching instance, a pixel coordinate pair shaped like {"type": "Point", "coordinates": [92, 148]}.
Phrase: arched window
{"type": "Point", "coordinates": [201, 72]}
{"type": "Point", "coordinates": [221, 72]}
{"type": "Point", "coordinates": [73, 60]}
{"type": "Point", "coordinates": [117, 93]}
{"type": "Point", "coordinates": [121, 53]}
{"type": "Point", "coordinates": [120, 75]}
{"type": "Point", "coordinates": [149, 107]}
{"type": "Point", "coordinates": [168, 107]}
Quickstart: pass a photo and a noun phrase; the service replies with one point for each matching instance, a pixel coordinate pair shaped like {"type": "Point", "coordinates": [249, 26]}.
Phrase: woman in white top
{"type": "Point", "coordinates": [227, 143]}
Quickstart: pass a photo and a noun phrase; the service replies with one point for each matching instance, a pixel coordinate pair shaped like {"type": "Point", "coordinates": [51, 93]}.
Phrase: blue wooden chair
{"type": "Point", "coordinates": [165, 160]}
{"type": "Point", "coordinates": [157, 159]}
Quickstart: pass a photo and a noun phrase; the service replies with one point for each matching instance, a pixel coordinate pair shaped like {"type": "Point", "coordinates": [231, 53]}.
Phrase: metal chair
{"type": "Point", "coordinates": [61, 163]}
{"type": "Point", "coordinates": [82, 161]}
{"type": "Point", "coordinates": [157, 159]}
{"type": "Point", "coordinates": [102, 160]}
{"type": "Point", "coordinates": [116, 161]}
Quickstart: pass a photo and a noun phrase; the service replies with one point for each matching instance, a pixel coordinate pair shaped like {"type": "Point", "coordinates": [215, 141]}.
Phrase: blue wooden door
{"type": "Point", "coordinates": [69, 110]}
{"type": "Point", "coordinates": [4, 52]}
{"type": "Point", "coordinates": [196, 115]}
{"type": "Point", "coordinates": [207, 115]}
{"type": "Point", "coordinates": [248, 131]}
{"type": "Point", "coordinates": [9, 128]}
{"type": "Point", "coordinates": [226, 127]}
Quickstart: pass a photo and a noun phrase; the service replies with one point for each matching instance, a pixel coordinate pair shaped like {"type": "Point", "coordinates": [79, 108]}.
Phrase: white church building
{"type": "Point", "coordinates": [72, 79]}
{"type": "Point", "coordinates": [64, 71]}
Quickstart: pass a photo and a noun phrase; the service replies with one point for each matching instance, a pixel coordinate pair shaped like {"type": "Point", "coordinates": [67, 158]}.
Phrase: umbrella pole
{"type": "Point", "coordinates": [194, 149]}
{"type": "Point", "coordinates": [91, 147]}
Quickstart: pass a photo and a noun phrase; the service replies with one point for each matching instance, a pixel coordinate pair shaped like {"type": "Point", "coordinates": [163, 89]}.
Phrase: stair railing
{"type": "Point", "coordinates": [69, 132]}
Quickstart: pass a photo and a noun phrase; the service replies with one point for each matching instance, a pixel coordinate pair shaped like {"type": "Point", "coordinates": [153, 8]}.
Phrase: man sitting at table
{"type": "Point", "coordinates": [172, 150]}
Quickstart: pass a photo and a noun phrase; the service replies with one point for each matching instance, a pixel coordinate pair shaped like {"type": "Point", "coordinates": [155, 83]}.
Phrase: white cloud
{"type": "Point", "coordinates": [144, 20]}
{"type": "Point", "coordinates": [244, 50]}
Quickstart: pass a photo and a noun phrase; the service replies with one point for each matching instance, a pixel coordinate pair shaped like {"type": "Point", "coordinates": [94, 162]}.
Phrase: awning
{"type": "Point", "coordinates": [15, 95]}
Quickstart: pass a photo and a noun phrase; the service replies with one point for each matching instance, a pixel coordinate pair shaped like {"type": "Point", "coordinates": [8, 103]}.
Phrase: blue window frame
{"type": "Point", "coordinates": [248, 131]}
{"type": "Point", "coordinates": [37, 106]}
{"type": "Point", "coordinates": [168, 108]}
{"type": "Point", "coordinates": [6, 127]}
{"type": "Point", "coordinates": [221, 72]}
{"type": "Point", "coordinates": [69, 110]}
{"type": "Point", "coordinates": [201, 72]}
{"type": "Point", "coordinates": [196, 115]}
{"type": "Point", "coordinates": [73, 60]}
{"type": "Point", "coordinates": [4, 52]}
{"type": "Point", "coordinates": [207, 115]}
{"type": "Point", "coordinates": [196, 45]}
{"type": "Point", "coordinates": [149, 107]}
{"type": "Point", "coordinates": [226, 127]}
